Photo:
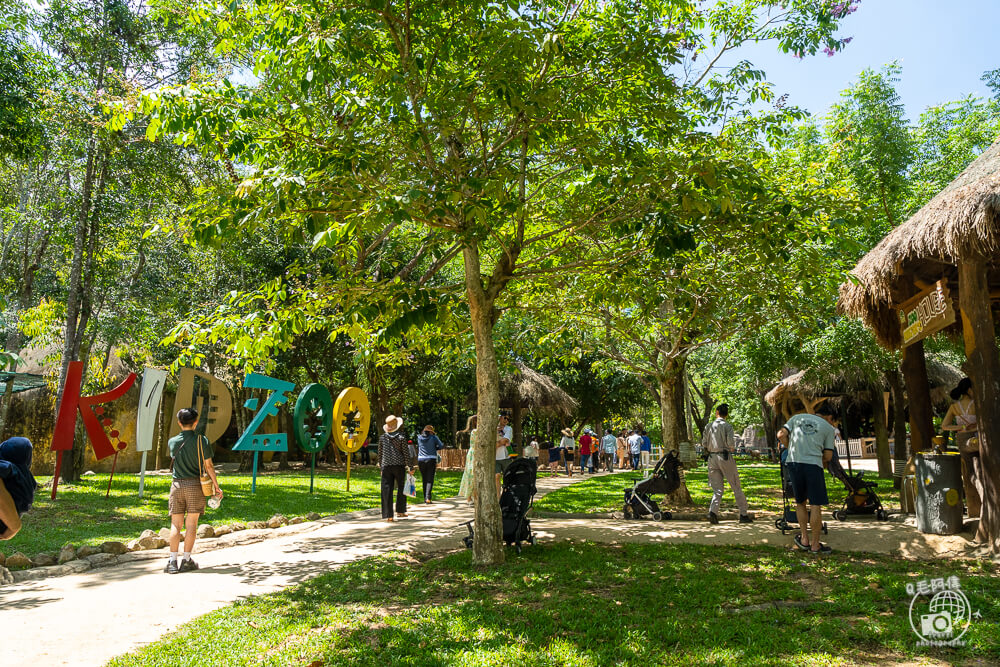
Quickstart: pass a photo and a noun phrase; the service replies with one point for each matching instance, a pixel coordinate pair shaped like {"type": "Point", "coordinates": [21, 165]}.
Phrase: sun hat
{"type": "Point", "coordinates": [392, 424]}
{"type": "Point", "coordinates": [567, 432]}
{"type": "Point", "coordinates": [429, 429]}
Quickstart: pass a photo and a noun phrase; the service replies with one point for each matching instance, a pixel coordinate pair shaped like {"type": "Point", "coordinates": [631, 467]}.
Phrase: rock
{"type": "Point", "coordinates": [313, 516]}
{"type": "Point", "coordinates": [205, 531]}
{"type": "Point", "coordinates": [152, 542]}
{"type": "Point", "coordinates": [237, 527]}
{"type": "Point", "coordinates": [5, 576]}
{"type": "Point", "coordinates": [297, 520]}
{"type": "Point", "coordinates": [256, 525]}
{"type": "Point", "coordinates": [88, 473]}
{"type": "Point", "coordinates": [222, 530]}
{"type": "Point", "coordinates": [44, 559]}
{"type": "Point", "coordinates": [114, 548]}
{"type": "Point", "coordinates": [87, 550]}
{"type": "Point", "coordinates": [164, 533]}
{"type": "Point", "coordinates": [277, 521]}
{"type": "Point", "coordinates": [66, 554]}
{"type": "Point", "coordinates": [134, 545]}
{"type": "Point", "coordinates": [17, 560]}
{"type": "Point", "coordinates": [146, 533]}
{"type": "Point", "coordinates": [101, 560]}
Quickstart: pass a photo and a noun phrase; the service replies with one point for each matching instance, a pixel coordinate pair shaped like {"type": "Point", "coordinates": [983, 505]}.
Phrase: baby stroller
{"type": "Point", "coordinates": [788, 516]}
{"type": "Point", "coordinates": [861, 496]}
{"type": "Point", "coordinates": [665, 478]}
{"type": "Point", "coordinates": [515, 501]}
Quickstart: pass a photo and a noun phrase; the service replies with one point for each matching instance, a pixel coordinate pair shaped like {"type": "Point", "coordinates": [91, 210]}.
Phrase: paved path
{"type": "Point", "coordinates": [89, 618]}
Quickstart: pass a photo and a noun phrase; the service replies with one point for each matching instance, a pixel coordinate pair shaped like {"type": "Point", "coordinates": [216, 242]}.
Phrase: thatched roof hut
{"type": "Point", "coordinates": [806, 390]}
{"type": "Point", "coordinates": [527, 389]}
{"type": "Point", "coordinates": [963, 220]}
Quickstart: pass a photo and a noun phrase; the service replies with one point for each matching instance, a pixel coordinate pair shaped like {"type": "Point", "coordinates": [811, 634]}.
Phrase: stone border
{"type": "Point", "coordinates": [151, 546]}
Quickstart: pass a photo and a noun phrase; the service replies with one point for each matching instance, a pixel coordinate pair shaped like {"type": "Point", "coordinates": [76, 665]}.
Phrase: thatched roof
{"type": "Point", "coordinates": [942, 377]}
{"type": "Point", "coordinates": [533, 390]}
{"type": "Point", "coordinates": [962, 221]}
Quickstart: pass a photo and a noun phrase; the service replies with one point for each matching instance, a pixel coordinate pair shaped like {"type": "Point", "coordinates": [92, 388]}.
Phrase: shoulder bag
{"type": "Point", "coordinates": [207, 488]}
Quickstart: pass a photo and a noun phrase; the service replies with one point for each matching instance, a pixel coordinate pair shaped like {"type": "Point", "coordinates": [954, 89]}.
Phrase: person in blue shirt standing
{"type": "Point", "coordinates": [634, 448]}
{"type": "Point", "coordinates": [810, 443]}
{"type": "Point", "coordinates": [428, 445]}
{"type": "Point", "coordinates": [645, 449]}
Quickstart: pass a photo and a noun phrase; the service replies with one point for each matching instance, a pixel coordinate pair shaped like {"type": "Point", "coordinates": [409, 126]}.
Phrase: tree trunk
{"type": "Point", "coordinates": [487, 547]}
{"type": "Point", "coordinates": [901, 452]}
{"type": "Point", "coordinates": [881, 434]}
{"type": "Point", "coordinates": [984, 370]}
{"type": "Point", "coordinates": [670, 387]}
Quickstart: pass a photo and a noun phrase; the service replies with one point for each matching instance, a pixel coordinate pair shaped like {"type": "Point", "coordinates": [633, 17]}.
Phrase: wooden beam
{"type": "Point", "coordinates": [984, 371]}
{"type": "Point", "coordinates": [918, 390]}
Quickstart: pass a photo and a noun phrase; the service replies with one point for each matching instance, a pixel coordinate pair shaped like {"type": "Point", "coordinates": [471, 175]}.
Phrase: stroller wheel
{"type": "Point", "coordinates": [840, 515]}
{"type": "Point", "coordinates": [882, 515]}
{"type": "Point", "coordinates": [468, 542]}
{"type": "Point", "coordinates": [657, 516]}
{"type": "Point", "coordinates": [518, 547]}
{"type": "Point", "coordinates": [531, 540]}
{"type": "Point", "coordinates": [667, 516]}
{"type": "Point", "coordinates": [780, 524]}
{"type": "Point", "coordinates": [627, 512]}
{"type": "Point", "coordinates": [826, 531]}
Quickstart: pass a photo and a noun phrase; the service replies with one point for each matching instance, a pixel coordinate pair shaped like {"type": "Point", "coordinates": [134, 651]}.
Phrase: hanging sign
{"type": "Point", "coordinates": [926, 313]}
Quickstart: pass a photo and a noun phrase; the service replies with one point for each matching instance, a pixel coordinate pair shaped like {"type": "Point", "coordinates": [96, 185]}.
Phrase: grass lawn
{"type": "Point", "coordinates": [760, 482]}
{"type": "Point", "coordinates": [81, 514]}
{"type": "Point", "coordinates": [589, 605]}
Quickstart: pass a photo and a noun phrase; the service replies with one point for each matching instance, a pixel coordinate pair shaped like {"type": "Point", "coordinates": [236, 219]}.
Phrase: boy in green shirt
{"type": "Point", "coordinates": [186, 497]}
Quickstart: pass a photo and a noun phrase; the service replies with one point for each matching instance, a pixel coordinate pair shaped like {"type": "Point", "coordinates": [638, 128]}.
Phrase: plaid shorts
{"type": "Point", "coordinates": [186, 497]}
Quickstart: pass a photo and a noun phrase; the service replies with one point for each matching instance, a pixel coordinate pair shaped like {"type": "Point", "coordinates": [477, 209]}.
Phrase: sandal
{"type": "Point", "coordinates": [798, 543]}
{"type": "Point", "coordinates": [823, 550]}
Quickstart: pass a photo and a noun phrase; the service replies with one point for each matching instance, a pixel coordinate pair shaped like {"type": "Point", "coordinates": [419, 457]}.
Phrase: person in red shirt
{"type": "Point", "coordinates": [587, 446]}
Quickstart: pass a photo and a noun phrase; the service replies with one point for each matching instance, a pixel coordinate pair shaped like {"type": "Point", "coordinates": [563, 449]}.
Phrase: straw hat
{"type": "Point", "coordinates": [567, 432]}
{"type": "Point", "coordinates": [392, 424]}
{"type": "Point", "coordinates": [429, 429]}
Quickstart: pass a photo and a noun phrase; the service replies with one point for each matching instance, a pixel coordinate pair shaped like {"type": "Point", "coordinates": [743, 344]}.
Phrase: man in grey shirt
{"type": "Point", "coordinates": [720, 441]}
{"type": "Point", "coordinates": [809, 439]}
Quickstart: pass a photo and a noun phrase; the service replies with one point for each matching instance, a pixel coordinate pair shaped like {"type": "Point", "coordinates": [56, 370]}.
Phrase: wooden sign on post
{"type": "Point", "coordinates": [927, 313]}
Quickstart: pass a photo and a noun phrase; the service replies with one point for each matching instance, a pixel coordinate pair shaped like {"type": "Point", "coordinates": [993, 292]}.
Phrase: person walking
{"type": "Point", "coordinates": [609, 443]}
{"type": "Point", "coordinates": [587, 451]}
{"type": "Point", "coordinates": [720, 441]}
{"type": "Point", "coordinates": [467, 487]}
{"type": "Point", "coordinates": [191, 454]}
{"type": "Point", "coordinates": [555, 456]}
{"type": "Point", "coordinates": [635, 448]}
{"type": "Point", "coordinates": [568, 446]}
{"type": "Point", "coordinates": [17, 484]}
{"type": "Point", "coordinates": [810, 443]}
{"type": "Point", "coordinates": [622, 450]}
{"type": "Point", "coordinates": [428, 445]}
{"type": "Point", "coordinates": [394, 461]}
{"type": "Point", "coordinates": [961, 417]}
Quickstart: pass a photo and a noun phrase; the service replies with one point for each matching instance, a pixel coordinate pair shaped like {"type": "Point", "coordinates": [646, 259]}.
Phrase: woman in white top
{"type": "Point", "coordinates": [531, 451]}
{"type": "Point", "coordinates": [961, 417]}
{"type": "Point", "coordinates": [467, 487]}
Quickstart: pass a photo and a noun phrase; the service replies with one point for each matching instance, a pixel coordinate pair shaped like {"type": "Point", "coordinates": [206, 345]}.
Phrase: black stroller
{"type": "Point", "coordinates": [515, 501]}
{"type": "Point", "coordinates": [861, 496]}
{"type": "Point", "coordinates": [665, 478]}
{"type": "Point", "coordinates": [788, 517]}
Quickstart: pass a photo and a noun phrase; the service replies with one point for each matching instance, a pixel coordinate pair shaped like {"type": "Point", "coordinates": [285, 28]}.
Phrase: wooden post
{"type": "Point", "coordinates": [515, 416]}
{"type": "Point", "coordinates": [918, 390]}
{"type": "Point", "coordinates": [881, 434]}
{"type": "Point", "coordinates": [900, 453]}
{"type": "Point", "coordinates": [984, 371]}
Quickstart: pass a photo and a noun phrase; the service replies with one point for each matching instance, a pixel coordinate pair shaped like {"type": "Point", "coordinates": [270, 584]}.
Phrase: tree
{"type": "Point", "coordinates": [513, 135]}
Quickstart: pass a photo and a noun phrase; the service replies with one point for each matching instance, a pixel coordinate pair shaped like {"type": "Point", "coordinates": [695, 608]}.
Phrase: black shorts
{"type": "Point", "coordinates": [808, 483]}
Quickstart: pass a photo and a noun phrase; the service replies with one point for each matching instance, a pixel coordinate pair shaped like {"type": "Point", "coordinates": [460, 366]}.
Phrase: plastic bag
{"type": "Point", "coordinates": [410, 486]}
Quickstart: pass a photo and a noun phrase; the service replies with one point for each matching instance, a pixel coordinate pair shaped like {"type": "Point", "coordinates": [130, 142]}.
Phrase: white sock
{"type": "Point", "coordinates": [173, 556]}
{"type": "Point", "coordinates": [187, 555]}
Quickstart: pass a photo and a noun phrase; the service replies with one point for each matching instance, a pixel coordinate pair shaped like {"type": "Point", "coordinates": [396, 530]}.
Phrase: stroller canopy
{"type": "Point", "coordinates": [666, 477]}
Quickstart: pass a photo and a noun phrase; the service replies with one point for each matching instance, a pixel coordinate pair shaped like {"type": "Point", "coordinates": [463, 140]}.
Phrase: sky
{"type": "Point", "coordinates": [942, 46]}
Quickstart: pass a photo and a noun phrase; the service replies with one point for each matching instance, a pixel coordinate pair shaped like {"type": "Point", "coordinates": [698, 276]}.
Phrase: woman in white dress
{"type": "Point", "coordinates": [467, 488]}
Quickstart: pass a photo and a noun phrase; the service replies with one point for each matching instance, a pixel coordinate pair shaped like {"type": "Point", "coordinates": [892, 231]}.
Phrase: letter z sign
{"type": "Point", "coordinates": [250, 441]}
